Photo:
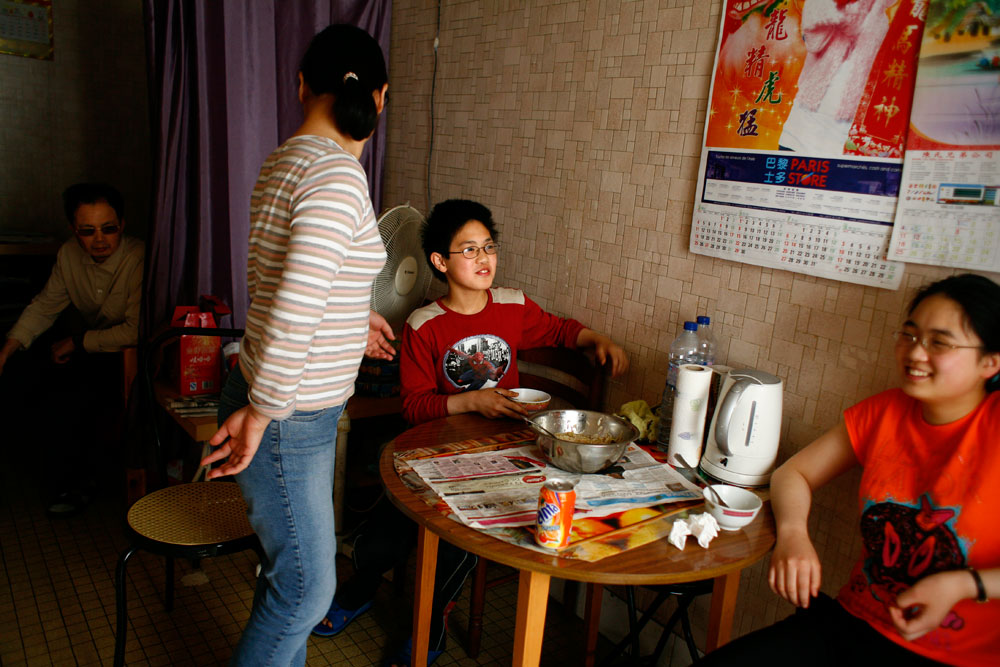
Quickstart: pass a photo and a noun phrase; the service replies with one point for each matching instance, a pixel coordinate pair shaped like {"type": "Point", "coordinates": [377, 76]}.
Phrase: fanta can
{"type": "Point", "coordinates": [555, 513]}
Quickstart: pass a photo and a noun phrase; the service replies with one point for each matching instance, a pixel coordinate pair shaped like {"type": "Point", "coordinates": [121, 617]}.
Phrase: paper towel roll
{"type": "Point", "coordinates": [690, 408]}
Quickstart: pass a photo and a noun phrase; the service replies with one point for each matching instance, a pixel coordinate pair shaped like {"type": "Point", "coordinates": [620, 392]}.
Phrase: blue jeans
{"type": "Point", "coordinates": [288, 487]}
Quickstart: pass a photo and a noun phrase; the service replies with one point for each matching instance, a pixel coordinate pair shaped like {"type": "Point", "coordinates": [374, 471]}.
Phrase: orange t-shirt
{"type": "Point", "coordinates": [930, 501]}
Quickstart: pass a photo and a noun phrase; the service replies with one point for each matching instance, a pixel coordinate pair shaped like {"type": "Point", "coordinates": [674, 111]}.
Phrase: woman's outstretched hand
{"type": "Point", "coordinates": [795, 572]}
{"type": "Point", "coordinates": [239, 437]}
{"type": "Point", "coordinates": [379, 335]}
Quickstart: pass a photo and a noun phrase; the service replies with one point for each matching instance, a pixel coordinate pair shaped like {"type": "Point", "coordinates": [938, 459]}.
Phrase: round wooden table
{"type": "Point", "coordinates": [655, 563]}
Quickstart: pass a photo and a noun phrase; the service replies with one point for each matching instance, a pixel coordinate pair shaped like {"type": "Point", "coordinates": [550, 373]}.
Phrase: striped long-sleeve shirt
{"type": "Point", "coordinates": [314, 252]}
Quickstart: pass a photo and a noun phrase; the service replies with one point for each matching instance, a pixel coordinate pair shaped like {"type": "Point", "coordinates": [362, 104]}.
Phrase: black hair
{"type": "Point", "coordinates": [347, 62]}
{"type": "Point", "coordinates": [445, 220]}
{"type": "Point", "coordinates": [91, 193]}
{"type": "Point", "coordinates": [979, 299]}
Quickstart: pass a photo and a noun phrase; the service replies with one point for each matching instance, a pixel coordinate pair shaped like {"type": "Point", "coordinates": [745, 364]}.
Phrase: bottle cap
{"type": "Point", "coordinates": [690, 326]}
{"type": "Point", "coordinates": [704, 320]}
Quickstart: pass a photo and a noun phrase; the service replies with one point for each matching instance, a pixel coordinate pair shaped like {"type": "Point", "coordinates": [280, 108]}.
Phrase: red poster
{"type": "Point", "coordinates": [822, 77]}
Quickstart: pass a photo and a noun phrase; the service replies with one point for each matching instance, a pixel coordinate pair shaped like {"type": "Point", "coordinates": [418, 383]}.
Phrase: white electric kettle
{"type": "Point", "coordinates": [743, 438]}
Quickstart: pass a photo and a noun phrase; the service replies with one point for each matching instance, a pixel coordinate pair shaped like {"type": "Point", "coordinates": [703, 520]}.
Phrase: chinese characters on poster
{"type": "Point", "coordinates": [805, 133]}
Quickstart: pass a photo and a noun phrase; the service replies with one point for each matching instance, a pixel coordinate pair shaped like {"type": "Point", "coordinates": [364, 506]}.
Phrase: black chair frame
{"type": "Point", "coordinates": [139, 542]}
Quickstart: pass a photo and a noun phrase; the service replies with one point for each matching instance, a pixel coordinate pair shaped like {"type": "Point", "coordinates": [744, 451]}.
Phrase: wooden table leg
{"type": "Point", "coordinates": [720, 615]}
{"type": "Point", "coordinates": [532, 599]}
{"type": "Point", "coordinates": [592, 622]}
{"type": "Point", "coordinates": [427, 544]}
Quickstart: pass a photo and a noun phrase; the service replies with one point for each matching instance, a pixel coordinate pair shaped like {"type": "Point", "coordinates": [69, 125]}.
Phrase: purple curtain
{"type": "Point", "coordinates": [223, 88]}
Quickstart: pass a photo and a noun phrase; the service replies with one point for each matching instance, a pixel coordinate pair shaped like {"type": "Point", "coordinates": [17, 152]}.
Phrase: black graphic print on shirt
{"type": "Point", "coordinates": [904, 544]}
{"type": "Point", "coordinates": [476, 362]}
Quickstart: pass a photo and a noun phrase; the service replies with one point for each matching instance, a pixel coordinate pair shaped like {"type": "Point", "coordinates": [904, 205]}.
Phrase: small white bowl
{"type": "Point", "coordinates": [743, 506]}
{"type": "Point", "coordinates": [532, 399]}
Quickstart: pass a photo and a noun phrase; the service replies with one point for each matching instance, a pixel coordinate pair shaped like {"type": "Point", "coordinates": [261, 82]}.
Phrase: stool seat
{"type": "Point", "coordinates": [194, 520]}
{"type": "Point", "coordinates": [199, 513]}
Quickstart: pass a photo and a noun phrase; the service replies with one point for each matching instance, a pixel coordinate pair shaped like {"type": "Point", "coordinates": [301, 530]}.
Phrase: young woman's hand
{"type": "Point", "coordinates": [492, 403]}
{"type": "Point", "coordinates": [795, 572]}
{"type": "Point", "coordinates": [239, 437]}
{"type": "Point", "coordinates": [379, 335]}
{"type": "Point", "coordinates": [922, 607]}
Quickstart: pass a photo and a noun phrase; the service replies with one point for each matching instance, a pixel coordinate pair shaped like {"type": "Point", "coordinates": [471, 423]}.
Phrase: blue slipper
{"type": "Point", "coordinates": [338, 618]}
{"type": "Point", "coordinates": [404, 656]}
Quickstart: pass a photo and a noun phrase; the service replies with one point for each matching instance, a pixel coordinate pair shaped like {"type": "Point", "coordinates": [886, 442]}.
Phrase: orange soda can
{"type": "Point", "coordinates": [555, 513]}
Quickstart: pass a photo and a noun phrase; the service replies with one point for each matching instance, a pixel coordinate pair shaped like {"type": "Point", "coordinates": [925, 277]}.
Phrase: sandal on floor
{"type": "Point", "coordinates": [67, 504]}
{"type": "Point", "coordinates": [404, 656]}
{"type": "Point", "coordinates": [338, 618]}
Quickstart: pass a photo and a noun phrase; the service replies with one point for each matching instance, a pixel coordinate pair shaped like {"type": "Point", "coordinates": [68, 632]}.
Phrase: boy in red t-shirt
{"type": "Point", "coordinates": [459, 354]}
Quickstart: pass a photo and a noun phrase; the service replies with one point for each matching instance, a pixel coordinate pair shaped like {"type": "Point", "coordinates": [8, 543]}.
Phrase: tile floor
{"type": "Point", "coordinates": [57, 603]}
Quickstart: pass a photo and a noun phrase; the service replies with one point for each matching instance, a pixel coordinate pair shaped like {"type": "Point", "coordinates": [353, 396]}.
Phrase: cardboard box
{"type": "Point", "coordinates": [199, 358]}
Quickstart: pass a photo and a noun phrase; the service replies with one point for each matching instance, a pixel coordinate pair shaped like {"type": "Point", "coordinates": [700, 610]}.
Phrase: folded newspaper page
{"type": "Point", "coordinates": [500, 488]}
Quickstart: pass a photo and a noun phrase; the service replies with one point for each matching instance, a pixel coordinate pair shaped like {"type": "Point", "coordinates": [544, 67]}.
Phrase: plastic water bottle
{"type": "Point", "coordinates": [684, 350]}
{"type": "Point", "coordinates": [706, 341]}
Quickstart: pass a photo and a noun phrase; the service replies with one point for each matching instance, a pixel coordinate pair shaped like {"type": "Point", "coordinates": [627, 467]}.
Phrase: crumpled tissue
{"type": "Point", "coordinates": [702, 526]}
{"type": "Point", "coordinates": [642, 417]}
{"type": "Point", "coordinates": [679, 533]}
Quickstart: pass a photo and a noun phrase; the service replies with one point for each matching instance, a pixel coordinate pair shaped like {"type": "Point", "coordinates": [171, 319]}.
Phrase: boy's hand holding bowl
{"type": "Point", "coordinates": [533, 400]}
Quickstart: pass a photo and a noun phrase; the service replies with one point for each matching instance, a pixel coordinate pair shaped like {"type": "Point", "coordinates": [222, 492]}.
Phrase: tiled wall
{"type": "Point", "coordinates": [580, 124]}
{"type": "Point", "coordinates": [80, 116]}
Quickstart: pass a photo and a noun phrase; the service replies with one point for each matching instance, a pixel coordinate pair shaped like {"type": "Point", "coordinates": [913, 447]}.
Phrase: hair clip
{"type": "Point", "coordinates": [350, 75]}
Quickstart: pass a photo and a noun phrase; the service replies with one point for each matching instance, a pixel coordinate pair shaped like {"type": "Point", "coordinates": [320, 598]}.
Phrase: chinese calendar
{"type": "Point", "coordinates": [848, 251]}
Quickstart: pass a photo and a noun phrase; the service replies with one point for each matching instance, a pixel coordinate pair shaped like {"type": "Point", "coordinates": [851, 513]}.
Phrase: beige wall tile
{"type": "Point", "coordinates": [580, 124]}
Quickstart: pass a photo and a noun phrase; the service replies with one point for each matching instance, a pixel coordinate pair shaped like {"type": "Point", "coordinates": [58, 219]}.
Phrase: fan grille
{"type": "Point", "coordinates": [402, 284]}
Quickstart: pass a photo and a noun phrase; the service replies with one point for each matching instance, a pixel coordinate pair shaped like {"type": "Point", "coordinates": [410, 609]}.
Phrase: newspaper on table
{"type": "Point", "coordinates": [500, 488]}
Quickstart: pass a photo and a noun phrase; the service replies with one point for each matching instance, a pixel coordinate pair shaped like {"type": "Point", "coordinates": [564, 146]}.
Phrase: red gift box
{"type": "Point", "coordinates": [199, 358]}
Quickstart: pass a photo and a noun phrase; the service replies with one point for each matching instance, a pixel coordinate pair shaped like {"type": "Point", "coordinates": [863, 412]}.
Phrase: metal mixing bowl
{"type": "Point", "coordinates": [580, 457]}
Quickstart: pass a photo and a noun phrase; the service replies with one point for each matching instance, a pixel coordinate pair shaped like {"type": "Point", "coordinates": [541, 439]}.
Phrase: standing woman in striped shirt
{"type": "Point", "coordinates": [313, 254]}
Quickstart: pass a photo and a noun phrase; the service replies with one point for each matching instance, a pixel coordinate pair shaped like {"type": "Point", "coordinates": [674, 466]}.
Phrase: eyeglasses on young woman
{"type": "Point", "coordinates": [934, 346]}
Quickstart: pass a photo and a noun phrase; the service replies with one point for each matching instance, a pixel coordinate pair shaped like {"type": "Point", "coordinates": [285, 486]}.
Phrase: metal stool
{"type": "Point", "coordinates": [195, 520]}
{"type": "Point", "coordinates": [685, 593]}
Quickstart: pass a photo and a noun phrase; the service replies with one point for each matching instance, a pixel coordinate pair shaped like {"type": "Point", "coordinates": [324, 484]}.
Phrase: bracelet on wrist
{"type": "Point", "coordinates": [980, 587]}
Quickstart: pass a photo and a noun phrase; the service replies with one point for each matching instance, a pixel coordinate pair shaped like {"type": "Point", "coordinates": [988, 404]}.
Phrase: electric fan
{"type": "Point", "coordinates": [402, 284]}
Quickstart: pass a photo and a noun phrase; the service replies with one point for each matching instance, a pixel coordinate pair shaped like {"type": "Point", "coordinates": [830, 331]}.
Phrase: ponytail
{"type": "Point", "coordinates": [348, 63]}
{"type": "Point", "coordinates": [354, 109]}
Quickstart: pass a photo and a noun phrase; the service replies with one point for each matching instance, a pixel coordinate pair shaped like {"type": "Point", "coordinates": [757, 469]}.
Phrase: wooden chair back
{"type": "Point", "coordinates": [568, 374]}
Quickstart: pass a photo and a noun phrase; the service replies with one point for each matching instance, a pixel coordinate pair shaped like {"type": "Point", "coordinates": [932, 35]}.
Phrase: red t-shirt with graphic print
{"type": "Point", "coordinates": [444, 352]}
{"type": "Point", "coordinates": [930, 501]}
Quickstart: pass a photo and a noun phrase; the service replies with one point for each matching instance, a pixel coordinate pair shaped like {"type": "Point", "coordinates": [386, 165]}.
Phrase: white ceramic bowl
{"type": "Point", "coordinates": [532, 399]}
{"type": "Point", "coordinates": [743, 506]}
